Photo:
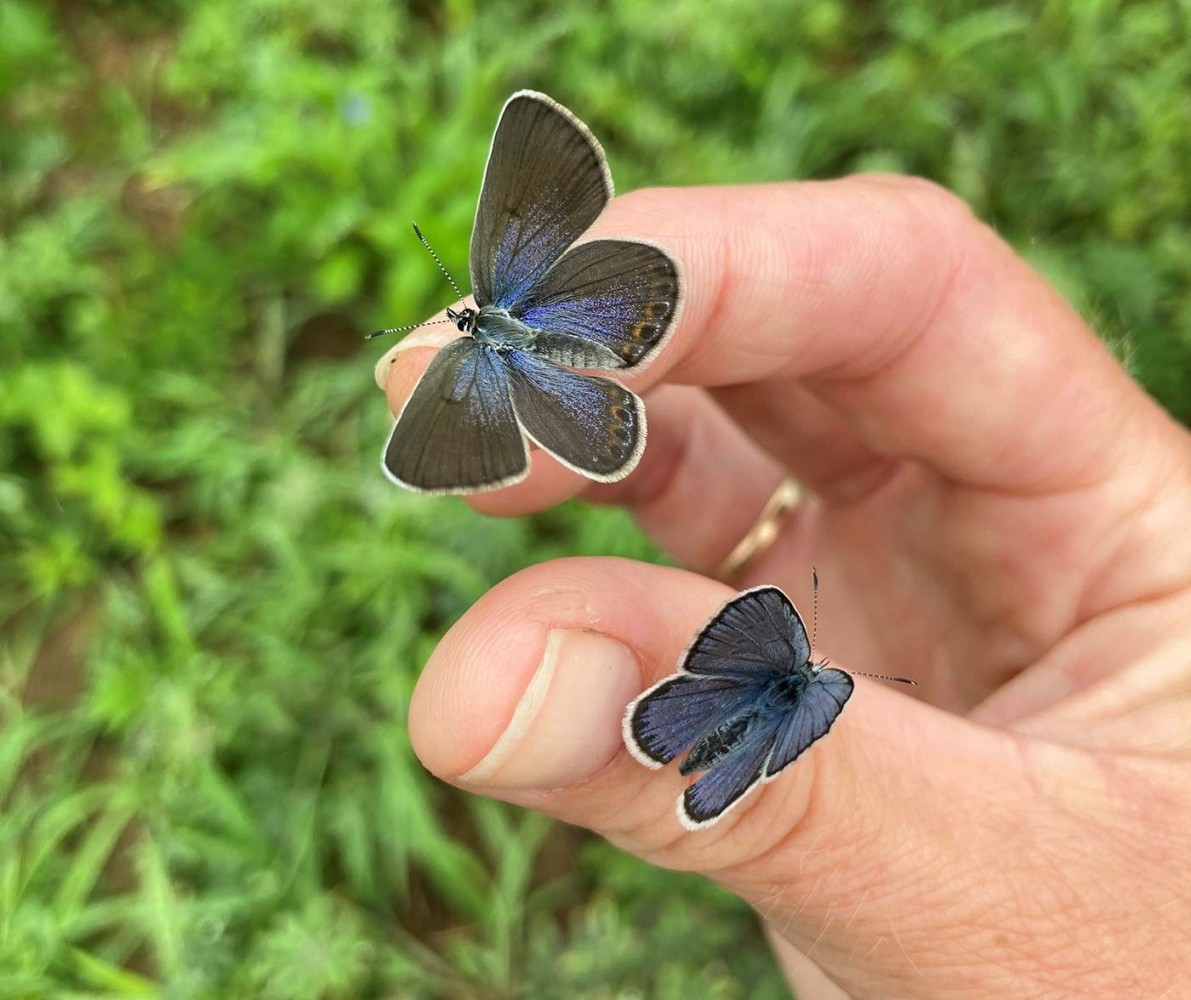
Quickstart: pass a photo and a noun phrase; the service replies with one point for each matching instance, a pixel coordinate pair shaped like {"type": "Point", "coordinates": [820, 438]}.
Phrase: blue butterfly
{"type": "Point", "coordinates": [746, 701]}
{"type": "Point", "coordinates": [543, 303]}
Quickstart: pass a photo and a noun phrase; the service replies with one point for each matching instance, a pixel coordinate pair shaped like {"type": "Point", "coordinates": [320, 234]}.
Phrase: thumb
{"type": "Point", "coordinates": [875, 847]}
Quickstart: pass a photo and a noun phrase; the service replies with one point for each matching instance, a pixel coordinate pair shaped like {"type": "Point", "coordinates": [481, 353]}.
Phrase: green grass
{"type": "Point", "coordinates": [213, 608]}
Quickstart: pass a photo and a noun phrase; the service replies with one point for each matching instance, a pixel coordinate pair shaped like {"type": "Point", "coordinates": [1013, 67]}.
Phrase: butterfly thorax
{"type": "Point", "coordinates": [785, 690]}
{"type": "Point", "coordinates": [495, 327]}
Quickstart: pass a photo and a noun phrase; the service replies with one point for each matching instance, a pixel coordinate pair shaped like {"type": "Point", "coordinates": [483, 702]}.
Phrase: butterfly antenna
{"type": "Point", "coordinates": [825, 661]}
{"type": "Point", "coordinates": [815, 609]}
{"type": "Point", "coordinates": [446, 274]}
{"type": "Point", "coordinates": [441, 266]}
{"type": "Point", "coordinates": [408, 326]}
{"type": "Point", "coordinates": [886, 677]}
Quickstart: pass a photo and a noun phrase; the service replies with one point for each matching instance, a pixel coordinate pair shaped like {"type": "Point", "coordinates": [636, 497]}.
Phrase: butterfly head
{"type": "Point", "coordinates": [815, 667]}
{"type": "Point", "coordinates": [464, 319]}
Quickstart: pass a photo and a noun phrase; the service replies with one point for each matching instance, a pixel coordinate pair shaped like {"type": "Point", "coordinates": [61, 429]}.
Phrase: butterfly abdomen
{"type": "Point", "coordinates": [717, 744]}
{"type": "Point", "coordinates": [496, 328]}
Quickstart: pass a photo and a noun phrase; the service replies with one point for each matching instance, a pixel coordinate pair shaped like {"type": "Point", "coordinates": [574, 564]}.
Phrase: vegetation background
{"type": "Point", "coordinates": [213, 608]}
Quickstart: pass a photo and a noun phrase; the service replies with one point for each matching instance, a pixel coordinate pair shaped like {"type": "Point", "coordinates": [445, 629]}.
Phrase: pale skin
{"type": "Point", "coordinates": [996, 510]}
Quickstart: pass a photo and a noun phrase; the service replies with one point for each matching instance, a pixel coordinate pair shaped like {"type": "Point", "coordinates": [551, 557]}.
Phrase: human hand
{"type": "Point", "coordinates": [995, 510]}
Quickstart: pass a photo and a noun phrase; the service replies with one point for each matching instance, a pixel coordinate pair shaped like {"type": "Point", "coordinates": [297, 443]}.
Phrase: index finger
{"type": "Point", "coordinates": [907, 316]}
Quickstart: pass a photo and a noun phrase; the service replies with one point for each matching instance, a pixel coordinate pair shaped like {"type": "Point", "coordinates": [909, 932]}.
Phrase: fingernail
{"type": "Point", "coordinates": [567, 725]}
{"type": "Point", "coordinates": [438, 336]}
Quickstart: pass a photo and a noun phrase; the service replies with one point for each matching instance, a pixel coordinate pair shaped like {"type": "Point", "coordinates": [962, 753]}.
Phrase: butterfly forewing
{"type": "Point", "coordinates": [676, 713]}
{"type": "Point", "coordinates": [458, 431]}
{"type": "Point", "coordinates": [757, 632]}
{"type": "Point", "coordinates": [619, 294]}
{"type": "Point", "coordinates": [545, 183]}
{"type": "Point", "coordinates": [593, 425]}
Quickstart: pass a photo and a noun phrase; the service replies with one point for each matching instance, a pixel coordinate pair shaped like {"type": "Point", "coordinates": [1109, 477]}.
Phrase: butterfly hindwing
{"type": "Point", "coordinates": [817, 708]}
{"type": "Point", "coordinates": [593, 425]}
{"type": "Point", "coordinates": [458, 428]}
{"type": "Point", "coordinates": [757, 632]}
{"type": "Point", "coordinates": [728, 780]}
{"type": "Point", "coordinates": [619, 294]}
{"type": "Point", "coordinates": [545, 183]}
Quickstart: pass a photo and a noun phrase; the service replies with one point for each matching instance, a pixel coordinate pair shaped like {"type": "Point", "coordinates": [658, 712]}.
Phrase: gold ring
{"type": "Point", "coordinates": [765, 530]}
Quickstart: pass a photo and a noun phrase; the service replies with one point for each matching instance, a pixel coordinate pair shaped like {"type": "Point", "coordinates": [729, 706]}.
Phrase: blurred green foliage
{"type": "Point", "coordinates": [213, 606]}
